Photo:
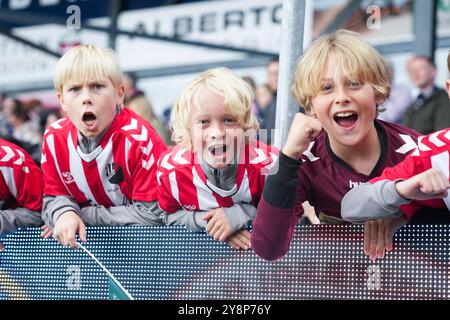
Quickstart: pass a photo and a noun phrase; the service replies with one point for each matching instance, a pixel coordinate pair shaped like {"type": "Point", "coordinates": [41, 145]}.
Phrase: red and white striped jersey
{"type": "Point", "coordinates": [432, 152]}
{"type": "Point", "coordinates": [121, 169]}
{"type": "Point", "coordinates": [182, 182]}
{"type": "Point", "coordinates": [21, 182]}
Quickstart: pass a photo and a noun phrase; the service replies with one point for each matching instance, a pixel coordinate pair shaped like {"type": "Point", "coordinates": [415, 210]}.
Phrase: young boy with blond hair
{"type": "Point", "coordinates": [216, 172]}
{"type": "Point", "coordinates": [99, 163]}
{"type": "Point", "coordinates": [342, 82]}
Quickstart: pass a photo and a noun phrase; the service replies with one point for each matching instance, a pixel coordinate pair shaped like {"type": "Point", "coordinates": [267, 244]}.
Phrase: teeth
{"type": "Point", "coordinates": [217, 149]}
{"type": "Point", "coordinates": [344, 114]}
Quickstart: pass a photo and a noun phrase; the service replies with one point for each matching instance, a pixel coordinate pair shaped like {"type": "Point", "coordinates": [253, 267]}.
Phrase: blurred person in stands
{"type": "Point", "coordinates": [269, 109]}
{"type": "Point", "coordinates": [142, 106]}
{"type": "Point", "coordinates": [5, 127]}
{"type": "Point", "coordinates": [129, 82]}
{"type": "Point", "coordinates": [255, 109]}
{"type": "Point", "coordinates": [99, 163]}
{"type": "Point", "coordinates": [213, 178]}
{"type": "Point", "coordinates": [34, 109]}
{"type": "Point", "coordinates": [48, 117]}
{"type": "Point", "coordinates": [431, 109]}
{"type": "Point", "coordinates": [399, 100]}
{"type": "Point", "coordinates": [23, 128]}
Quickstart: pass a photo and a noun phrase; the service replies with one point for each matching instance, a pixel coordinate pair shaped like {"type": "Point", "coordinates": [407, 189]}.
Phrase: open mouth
{"type": "Point", "coordinates": [89, 118]}
{"type": "Point", "coordinates": [218, 150]}
{"type": "Point", "coordinates": [346, 119]}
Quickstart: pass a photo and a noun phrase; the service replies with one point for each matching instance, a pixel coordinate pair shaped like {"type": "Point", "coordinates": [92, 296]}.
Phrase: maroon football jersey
{"type": "Point", "coordinates": [324, 179]}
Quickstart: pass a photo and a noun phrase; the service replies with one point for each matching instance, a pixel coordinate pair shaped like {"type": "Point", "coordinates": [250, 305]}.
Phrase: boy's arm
{"type": "Point", "coordinates": [379, 198]}
{"type": "Point", "coordinates": [281, 204]}
{"type": "Point", "coordinates": [12, 219]}
{"type": "Point", "coordinates": [55, 206]}
{"type": "Point", "coordinates": [191, 220]}
{"type": "Point", "coordinates": [136, 214]}
{"type": "Point", "coordinates": [372, 201]}
{"type": "Point", "coordinates": [239, 216]}
{"type": "Point", "coordinates": [277, 216]}
{"type": "Point", "coordinates": [57, 199]}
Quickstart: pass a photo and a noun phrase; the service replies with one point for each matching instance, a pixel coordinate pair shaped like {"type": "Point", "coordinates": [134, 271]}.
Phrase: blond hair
{"type": "Point", "coordinates": [360, 59]}
{"type": "Point", "coordinates": [237, 95]}
{"type": "Point", "coordinates": [85, 63]}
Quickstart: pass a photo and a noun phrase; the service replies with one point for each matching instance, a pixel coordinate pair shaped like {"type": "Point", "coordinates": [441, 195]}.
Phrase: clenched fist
{"type": "Point", "coordinates": [430, 184]}
{"type": "Point", "coordinates": [303, 129]}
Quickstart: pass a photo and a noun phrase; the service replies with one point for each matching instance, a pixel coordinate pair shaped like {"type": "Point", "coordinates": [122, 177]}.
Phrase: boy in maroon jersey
{"type": "Point", "coordinates": [216, 172]}
{"type": "Point", "coordinates": [21, 189]}
{"type": "Point", "coordinates": [340, 81]}
{"type": "Point", "coordinates": [99, 164]}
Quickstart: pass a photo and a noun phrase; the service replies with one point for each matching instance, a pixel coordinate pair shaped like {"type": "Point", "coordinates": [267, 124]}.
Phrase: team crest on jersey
{"type": "Point", "coordinates": [68, 178]}
{"type": "Point", "coordinates": [114, 173]}
{"type": "Point", "coordinates": [190, 207]}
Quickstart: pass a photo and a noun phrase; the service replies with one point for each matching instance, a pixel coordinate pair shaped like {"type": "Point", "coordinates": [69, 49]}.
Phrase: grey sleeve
{"type": "Point", "coordinates": [191, 220]}
{"type": "Point", "coordinates": [239, 216]}
{"type": "Point", "coordinates": [372, 201]}
{"type": "Point", "coordinates": [55, 206]}
{"type": "Point", "coordinates": [12, 219]}
{"type": "Point", "coordinates": [136, 214]}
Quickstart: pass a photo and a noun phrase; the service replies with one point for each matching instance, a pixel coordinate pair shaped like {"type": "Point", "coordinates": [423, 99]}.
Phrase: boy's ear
{"type": "Point", "coordinates": [60, 98]}
{"type": "Point", "coordinates": [120, 94]}
{"type": "Point", "coordinates": [379, 101]}
{"type": "Point", "coordinates": [447, 86]}
{"type": "Point", "coordinates": [311, 111]}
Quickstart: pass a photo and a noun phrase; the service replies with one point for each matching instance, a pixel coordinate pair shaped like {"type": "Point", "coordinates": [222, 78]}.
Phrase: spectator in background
{"type": "Point", "coordinates": [263, 97]}
{"type": "Point", "coordinates": [166, 117]}
{"type": "Point", "coordinates": [269, 112]}
{"type": "Point", "coordinates": [255, 109]}
{"type": "Point", "coordinates": [47, 117]}
{"type": "Point", "coordinates": [399, 100]}
{"type": "Point", "coordinates": [22, 127]}
{"type": "Point", "coordinates": [142, 106]}
{"type": "Point", "coordinates": [5, 127]}
{"type": "Point", "coordinates": [34, 109]}
{"type": "Point", "coordinates": [24, 133]}
{"type": "Point", "coordinates": [129, 81]}
{"type": "Point", "coordinates": [431, 109]}
{"type": "Point", "coordinates": [136, 100]}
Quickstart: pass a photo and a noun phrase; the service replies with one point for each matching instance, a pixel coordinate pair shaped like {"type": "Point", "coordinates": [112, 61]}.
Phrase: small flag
{"type": "Point", "coordinates": [115, 291]}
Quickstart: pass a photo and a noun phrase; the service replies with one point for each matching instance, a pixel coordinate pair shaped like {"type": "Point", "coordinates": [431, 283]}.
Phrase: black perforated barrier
{"type": "Point", "coordinates": [324, 262]}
